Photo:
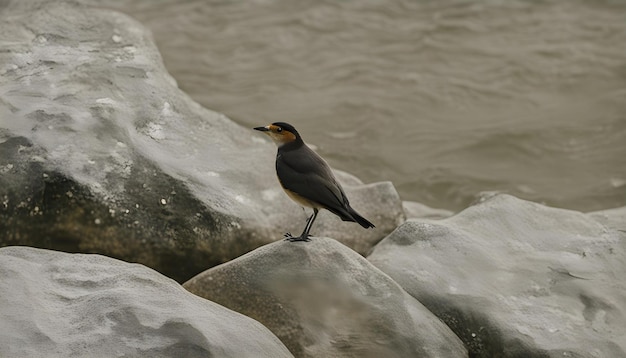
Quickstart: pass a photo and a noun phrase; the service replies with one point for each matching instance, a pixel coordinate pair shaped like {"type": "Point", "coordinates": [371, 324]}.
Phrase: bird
{"type": "Point", "coordinates": [307, 179]}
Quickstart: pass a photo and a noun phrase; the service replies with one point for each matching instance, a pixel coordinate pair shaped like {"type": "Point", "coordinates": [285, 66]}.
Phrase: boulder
{"type": "Point", "coordinates": [324, 300]}
{"type": "Point", "coordinates": [55, 304]}
{"type": "Point", "coordinates": [101, 152]}
{"type": "Point", "coordinates": [516, 279]}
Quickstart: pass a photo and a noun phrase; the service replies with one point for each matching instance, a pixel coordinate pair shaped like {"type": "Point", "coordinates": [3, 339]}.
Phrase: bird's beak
{"type": "Point", "coordinates": [263, 129]}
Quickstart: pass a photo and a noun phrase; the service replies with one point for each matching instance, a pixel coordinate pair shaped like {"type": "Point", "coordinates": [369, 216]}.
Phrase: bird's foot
{"type": "Point", "coordinates": [290, 238]}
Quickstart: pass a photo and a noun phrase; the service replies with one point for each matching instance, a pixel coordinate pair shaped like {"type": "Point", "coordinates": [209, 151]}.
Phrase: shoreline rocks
{"type": "Point", "coordinates": [324, 300]}
{"type": "Point", "coordinates": [100, 152]}
{"type": "Point", "coordinates": [103, 153]}
{"type": "Point", "coordinates": [515, 278]}
{"type": "Point", "coordinates": [55, 304]}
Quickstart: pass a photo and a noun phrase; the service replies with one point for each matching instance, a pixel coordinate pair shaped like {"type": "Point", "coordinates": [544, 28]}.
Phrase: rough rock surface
{"type": "Point", "coordinates": [614, 218]}
{"type": "Point", "coordinates": [516, 279]}
{"type": "Point", "coordinates": [324, 300]}
{"type": "Point", "coordinates": [54, 304]}
{"type": "Point", "coordinates": [100, 152]}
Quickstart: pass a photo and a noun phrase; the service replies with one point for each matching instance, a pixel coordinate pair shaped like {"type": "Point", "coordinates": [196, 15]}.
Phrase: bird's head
{"type": "Point", "coordinates": [282, 133]}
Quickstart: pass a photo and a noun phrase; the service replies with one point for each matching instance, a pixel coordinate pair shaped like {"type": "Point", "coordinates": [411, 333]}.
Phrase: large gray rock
{"type": "Point", "coordinates": [516, 279]}
{"type": "Point", "coordinates": [614, 218]}
{"type": "Point", "coordinates": [101, 152]}
{"type": "Point", "coordinates": [54, 304]}
{"type": "Point", "coordinates": [324, 300]}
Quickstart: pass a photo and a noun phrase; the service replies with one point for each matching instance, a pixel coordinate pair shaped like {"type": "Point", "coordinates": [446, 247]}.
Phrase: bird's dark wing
{"type": "Point", "coordinates": [305, 173]}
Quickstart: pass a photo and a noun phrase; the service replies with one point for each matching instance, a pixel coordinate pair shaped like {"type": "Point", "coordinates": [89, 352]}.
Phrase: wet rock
{"type": "Point", "coordinates": [55, 304]}
{"type": "Point", "coordinates": [100, 152]}
{"type": "Point", "coordinates": [324, 300]}
{"type": "Point", "coordinates": [516, 279]}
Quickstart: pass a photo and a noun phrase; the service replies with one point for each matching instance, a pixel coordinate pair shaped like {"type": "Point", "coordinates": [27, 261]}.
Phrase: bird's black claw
{"type": "Point", "coordinates": [298, 238]}
{"type": "Point", "coordinates": [287, 235]}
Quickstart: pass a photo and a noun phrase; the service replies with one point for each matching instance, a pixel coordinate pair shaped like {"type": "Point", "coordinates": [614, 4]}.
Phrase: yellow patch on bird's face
{"type": "Point", "coordinates": [280, 135]}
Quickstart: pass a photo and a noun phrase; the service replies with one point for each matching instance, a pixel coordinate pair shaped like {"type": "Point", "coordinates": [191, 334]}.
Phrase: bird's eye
{"type": "Point", "coordinates": [279, 129]}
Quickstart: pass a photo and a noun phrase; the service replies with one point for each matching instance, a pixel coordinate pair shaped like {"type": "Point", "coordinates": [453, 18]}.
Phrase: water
{"type": "Point", "coordinates": [444, 98]}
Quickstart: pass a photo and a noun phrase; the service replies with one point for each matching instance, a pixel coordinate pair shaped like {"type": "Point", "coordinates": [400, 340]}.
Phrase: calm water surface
{"type": "Point", "coordinates": [444, 98]}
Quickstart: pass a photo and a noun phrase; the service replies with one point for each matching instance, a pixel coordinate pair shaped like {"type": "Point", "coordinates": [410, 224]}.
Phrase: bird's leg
{"type": "Point", "coordinates": [288, 235]}
{"type": "Point", "coordinates": [309, 224]}
{"type": "Point", "coordinates": [305, 234]}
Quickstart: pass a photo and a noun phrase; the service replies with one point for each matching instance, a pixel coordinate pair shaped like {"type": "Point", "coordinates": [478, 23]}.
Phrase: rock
{"type": "Point", "coordinates": [54, 304]}
{"type": "Point", "coordinates": [324, 300]}
{"type": "Point", "coordinates": [414, 210]}
{"type": "Point", "coordinates": [614, 218]}
{"type": "Point", "coordinates": [516, 279]}
{"type": "Point", "coordinates": [100, 152]}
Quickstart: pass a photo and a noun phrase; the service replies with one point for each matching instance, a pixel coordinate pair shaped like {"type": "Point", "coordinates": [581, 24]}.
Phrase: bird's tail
{"type": "Point", "coordinates": [359, 219]}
